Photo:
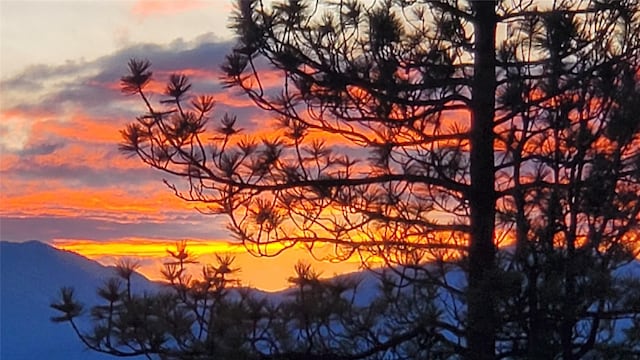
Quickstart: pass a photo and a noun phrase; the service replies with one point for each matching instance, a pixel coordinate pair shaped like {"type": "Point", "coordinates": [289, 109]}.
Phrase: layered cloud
{"type": "Point", "coordinates": [65, 181]}
{"type": "Point", "coordinates": [62, 174]}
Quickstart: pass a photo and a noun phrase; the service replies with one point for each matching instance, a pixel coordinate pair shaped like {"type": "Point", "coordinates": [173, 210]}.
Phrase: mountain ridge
{"type": "Point", "coordinates": [31, 275]}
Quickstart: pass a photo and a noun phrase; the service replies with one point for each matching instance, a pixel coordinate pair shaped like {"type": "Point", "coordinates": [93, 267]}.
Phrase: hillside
{"type": "Point", "coordinates": [31, 274]}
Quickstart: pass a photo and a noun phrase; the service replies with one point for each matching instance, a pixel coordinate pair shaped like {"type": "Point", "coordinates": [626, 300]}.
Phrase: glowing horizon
{"type": "Point", "coordinates": [264, 273]}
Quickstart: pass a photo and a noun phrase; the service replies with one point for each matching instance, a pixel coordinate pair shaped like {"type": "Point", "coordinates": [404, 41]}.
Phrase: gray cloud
{"type": "Point", "coordinates": [87, 87]}
{"type": "Point", "coordinates": [36, 73]}
{"type": "Point", "coordinates": [81, 175]}
{"type": "Point", "coordinates": [83, 82]}
{"type": "Point", "coordinates": [40, 149]}
{"type": "Point", "coordinates": [200, 54]}
{"type": "Point", "coordinates": [45, 228]}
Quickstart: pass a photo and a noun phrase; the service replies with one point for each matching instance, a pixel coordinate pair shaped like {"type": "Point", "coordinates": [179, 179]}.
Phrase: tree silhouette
{"type": "Point", "coordinates": [432, 132]}
{"type": "Point", "coordinates": [206, 318]}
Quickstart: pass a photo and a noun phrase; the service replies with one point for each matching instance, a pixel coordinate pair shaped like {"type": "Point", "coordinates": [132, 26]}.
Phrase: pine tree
{"type": "Point", "coordinates": [433, 132]}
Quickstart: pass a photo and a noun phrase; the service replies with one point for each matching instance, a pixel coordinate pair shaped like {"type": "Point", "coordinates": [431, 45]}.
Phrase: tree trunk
{"type": "Point", "coordinates": [481, 331]}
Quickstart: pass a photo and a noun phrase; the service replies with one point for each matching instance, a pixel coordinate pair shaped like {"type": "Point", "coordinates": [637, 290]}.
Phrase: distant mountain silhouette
{"type": "Point", "coordinates": [31, 275]}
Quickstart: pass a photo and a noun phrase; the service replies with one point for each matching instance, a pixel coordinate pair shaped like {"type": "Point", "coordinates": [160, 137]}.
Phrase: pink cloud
{"type": "Point", "coordinates": [145, 8]}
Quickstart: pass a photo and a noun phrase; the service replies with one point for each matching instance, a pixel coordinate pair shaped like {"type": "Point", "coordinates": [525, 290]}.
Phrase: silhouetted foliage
{"type": "Point", "coordinates": [206, 318]}
{"type": "Point", "coordinates": [433, 132]}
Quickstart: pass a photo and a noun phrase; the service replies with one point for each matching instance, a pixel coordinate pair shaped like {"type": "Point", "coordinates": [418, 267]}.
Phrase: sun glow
{"type": "Point", "coordinates": [265, 273]}
{"type": "Point", "coordinates": [144, 248]}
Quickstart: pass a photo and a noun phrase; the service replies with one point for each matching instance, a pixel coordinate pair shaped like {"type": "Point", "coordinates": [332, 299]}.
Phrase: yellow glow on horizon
{"type": "Point", "coordinates": [143, 247]}
{"type": "Point", "coordinates": [265, 273]}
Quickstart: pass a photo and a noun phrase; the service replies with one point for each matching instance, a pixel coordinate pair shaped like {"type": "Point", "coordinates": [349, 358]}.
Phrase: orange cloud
{"type": "Point", "coordinates": [61, 199]}
{"type": "Point", "coordinates": [84, 156]}
{"type": "Point", "coordinates": [35, 128]}
{"type": "Point", "coordinates": [78, 127]}
{"type": "Point", "coordinates": [266, 78]}
{"type": "Point", "coordinates": [8, 161]}
{"type": "Point", "coordinates": [192, 73]}
{"type": "Point", "coordinates": [157, 86]}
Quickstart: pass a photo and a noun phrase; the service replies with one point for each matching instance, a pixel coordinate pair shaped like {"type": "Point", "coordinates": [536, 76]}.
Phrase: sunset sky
{"type": "Point", "coordinates": [62, 179]}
